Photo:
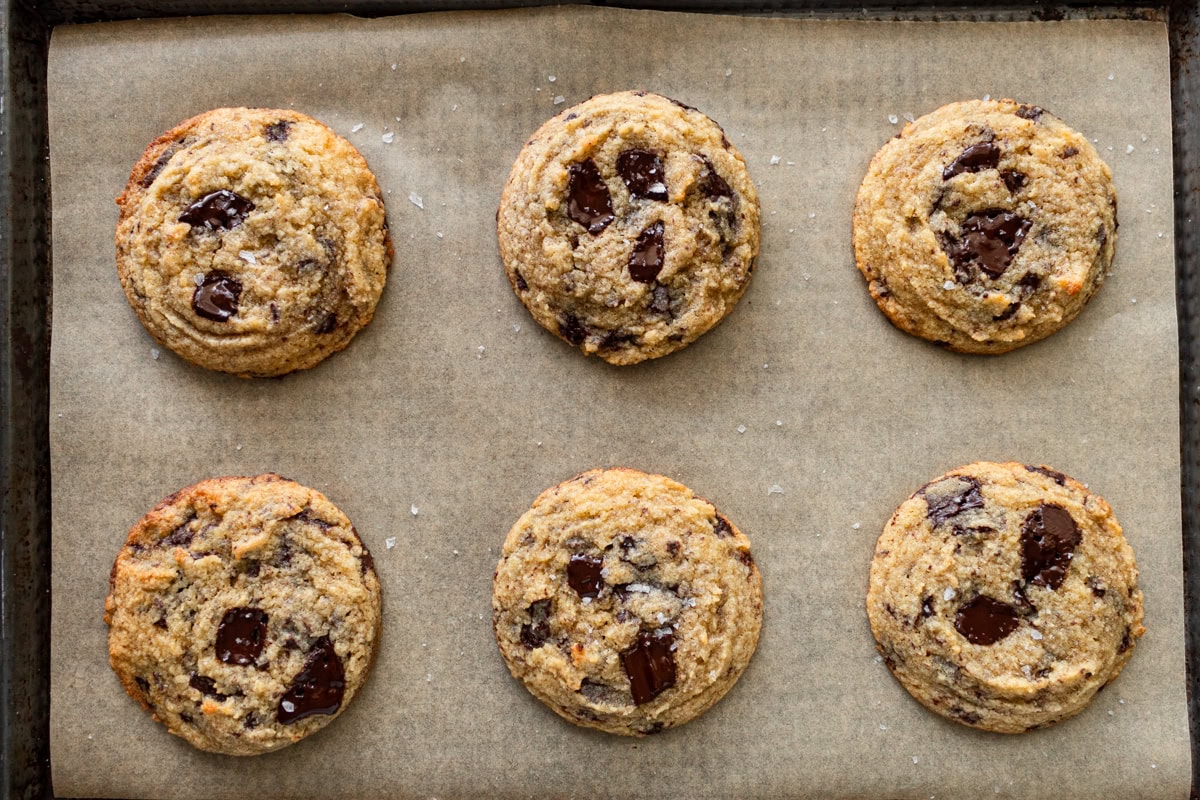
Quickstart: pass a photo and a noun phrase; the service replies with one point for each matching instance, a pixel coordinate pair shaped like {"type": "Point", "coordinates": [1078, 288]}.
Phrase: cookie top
{"type": "Point", "coordinates": [252, 241]}
{"type": "Point", "coordinates": [629, 226]}
{"type": "Point", "coordinates": [243, 613]}
{"type": "Point", "coordinates": [985, 225]}
{"type": "Point", "coordinates": [626, 603]}
{"type": "Point", "coordinates": [1004, 596]}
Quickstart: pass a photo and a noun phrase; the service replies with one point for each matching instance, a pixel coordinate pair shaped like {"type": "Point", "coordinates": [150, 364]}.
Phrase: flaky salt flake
{"type": "Point", "coordinates": [247, 256]}
{"type": "Point", "coordinates": [1036, 635]}
{"type": "Point", "coordinates": [416, 200]}
{"type": "Point", "coordinates": [892, 118]}
{"type": "Point", "coordinates": [481, 349]}
{"type": "Point", "coordinates": [778, 423]}
{"type": "Point", "coordinates": [812, 215]}
{"type": "Point", "coordinates": [357, 128]}
{"type": "Point", "coordinates": [394, 67]}
{"type": "Point", "coordinates": [551, 78]}
{"type": "Point", "coordinates": [878, 659]}
{"type": "Point", "coordinates": [741, 428]}
{"type": "Point", "coordinates": [987, 97]}
{"type": "Point", "coordinates": [882, 727]}
{"type": "Point", "coordinates": [1128, 149]}
{"type": "Point", "coordinates": [413, 509]}
{"type": "Point", "coordinates": [388, 137]}
{"type": "Point", "coordinates": [440, 235]}
{"type": "Point", "coordinates": [455, 552]}
{"type": "Point", "coordinates": [428, 677]}
{"type": "Point", "coordinates": [390, 542]}
{"type": "Point", "coordinates": [775, 160]}
{"type": "Point", "coordinates": [1110, 713]}
{"type": "Point", "coordinates": [774, 488]}
{"type": "Point", "coordinates": [559, 100]}
{"type": "Point", "coordinates": [949, 593]}
{"type": "Point", "coordinates": [1133, 300]}
{"type": "Point", "coordinates": [856, 525]}
{"type": "Point", "coordinates": [728, 73]}
{"type": "Point", "coordinates": [154, 353]}
{"type": "Point", "coordinates": [909, 116]}
{"type": "Point", "coordinates": [916, 760]}
{"type": "Point", "coordinates": [1160, 234]}
{"type": "Point", "coordinates": [462, 59]}
{"type": "Point", "coordinates": [239, 447]}
{"type": "Point", "coordinates": [1110, 76]}
{"type": "Point", "coordinates": [516, 328]}
{"type": "Point", "coordinates": [948, 285]}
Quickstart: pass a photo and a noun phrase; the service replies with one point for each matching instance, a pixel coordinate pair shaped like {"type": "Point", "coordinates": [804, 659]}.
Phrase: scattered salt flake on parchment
{"type": "Point", "coordinates": [1110, 76]}
{"type": "Point", "coordinates": [357, 128]}
{"type": "Point", "coordinates": [908, 115]}
{"type": "Point", "coordinates": [916, 760]}
{"type": "Point", "coordinates": [551, 78]}
{"type": "Point", "coordinates": [892, 118]}
{"type": "Point", "coordinates": [388, 137]}
{"type": "Point", "coordinates": [413, 508]}
{"type": "Point", "coordinates": [416, 200]}
{"type": "Point", "coordinates": [775, 488]}
{"type": "Point", "coordinates": [154, 352]}
{"type": "Point", "coordinates": [394, 67]}
{"type": "Point", "coordinates": [1128, 149]}
{"type": "Point", "coordinates": [775, 160]}
{"type": "Point", "coordinates": [390, 542]}
{"type": "Point", "coordinates": [559, 100]}
{"type": "Point", "coordinates": [728, 73]}
{"type": "Point", "coordinates": [741, 428]}
{"type": "Point", "coordinates": [856, 525]}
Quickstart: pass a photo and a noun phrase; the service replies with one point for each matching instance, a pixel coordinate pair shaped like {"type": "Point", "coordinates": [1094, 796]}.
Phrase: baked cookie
{"type": "Point", "coordinates": [1004, 596]}
{"type": "Point", "coordinates": [629, 226]}
{"type": "Point", "coordinates": [626, 603]}
{"type": "Point", "coordinates": [252, 241]}
{"type": "Point", "coordinates": [985, 225]}
{"type": "Point", "coordinates": [243, 613]}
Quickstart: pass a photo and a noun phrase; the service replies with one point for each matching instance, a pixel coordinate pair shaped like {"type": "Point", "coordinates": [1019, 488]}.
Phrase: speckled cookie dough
{"type": "Point", "coordinates": [243, 613]}
{"type": "Point", "coordinates": [629, 226]}
{"type": "Point", "coordinates": [626, 603]}
{"type": "Point", "coordinates": [985, 225]}
{"type": "Point", "coordinates": [1004, 596]}
{"type": "Point", "coordinates": [252, 241]}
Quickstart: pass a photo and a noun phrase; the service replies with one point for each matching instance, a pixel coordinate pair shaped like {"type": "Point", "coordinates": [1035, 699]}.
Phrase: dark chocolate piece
{"type": "Point", "coordinates": [988, 240]}
{"type": "Point", "coordinates": [643, 174]}
{"type": "Point", "coordinates": [217, 296]}
{"type": "Point", "coordinates": [278, 131]}
{"type": "Point", "coordinates": [984, 155]}
{"type": "Point", "coordinates": [241, 635]}
{"type": "Point", "coordinates": [571, 329]}
{"type": "Point", "coordinates": [588, 200]}
{"type": "Point", "coordinates": [221, 209]}
{"type": "Point", "coordinates": [1013, 180]}
{"type": "Point", "coordinates": [206, 686]}
{"type": "Point", "coordinates": [711, 184]}
{"type": "Point", "coordinates": [583, 575]}
{"type": "Point", "coordinates": [650, 665]}
{"type": "Point", "coordinates": [985, 620]}
{"type": "Point", "coordinates": [537, 631]}
{"type": "Point", "coordinates": [1048, 541]}
{"type": "Point", "coordinates": [646, 259]}
{"type": "Point", "coordinates": [317, 689]}
{"type": "Point", "coordinates": [946, 502]}
{"type": "Point", "coordinates": [1053, 475]}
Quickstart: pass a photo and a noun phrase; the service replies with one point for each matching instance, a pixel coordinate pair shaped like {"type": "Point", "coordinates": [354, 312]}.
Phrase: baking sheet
{"type": "Point", "coordinates": [453, 403]}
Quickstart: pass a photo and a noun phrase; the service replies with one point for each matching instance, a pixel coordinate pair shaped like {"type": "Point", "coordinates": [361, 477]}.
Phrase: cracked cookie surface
{"type": "Point", "coordinates": [243, 613]}
{"type": "Point", "coordinates": [629, 226]}
{"type": "Point", "coordinates": [985, 225]}
{"type": "Point", "coordinates": [626, 603]}
{"type": "Point", "coordinates": [1004, 596]}
{"type": "Point", "coordinates": [252, 241]}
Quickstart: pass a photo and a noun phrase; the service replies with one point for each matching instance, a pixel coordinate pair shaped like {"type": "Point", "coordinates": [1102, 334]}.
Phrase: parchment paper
{"type": "Point", "coordinates": [452, 411]}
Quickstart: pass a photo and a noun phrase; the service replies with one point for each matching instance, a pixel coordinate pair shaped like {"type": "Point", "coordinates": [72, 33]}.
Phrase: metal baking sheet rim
{"type": "Point", "coordinates": [25, 293]}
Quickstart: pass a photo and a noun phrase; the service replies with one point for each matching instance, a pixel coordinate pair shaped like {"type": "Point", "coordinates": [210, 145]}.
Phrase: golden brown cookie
{"type": "Point", "coordinates": [243, 613]}
{"type": "Point", "coordinates": [985, 225]}
{"type": "Point", "coordinates": [626, 603]}
{"type": "Point", "coordinates": [1004, 596]}
{"type": "Point", "coordinates": [629, 226]}
{"type": "Point", "coordinates": [252, 241]}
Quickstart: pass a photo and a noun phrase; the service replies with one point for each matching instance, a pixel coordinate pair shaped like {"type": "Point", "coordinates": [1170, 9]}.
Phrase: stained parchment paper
{"type": "Point", "coordinates": [805, 417]}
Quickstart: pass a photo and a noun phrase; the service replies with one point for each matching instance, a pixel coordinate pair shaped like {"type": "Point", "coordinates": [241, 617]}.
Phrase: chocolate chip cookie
{"type": "Point", "coordinates": [985, 225]}
{"type": "Point", "coordinates": [252, 241]}
{"type": "Point", "coordinates": [243, 613]}
{"type": "Point", "coordinates": [1004, 596]}
{"type": "Point", "coordinates": [629, 226]}
{"type": "Point", "coordinates": [626, 603]}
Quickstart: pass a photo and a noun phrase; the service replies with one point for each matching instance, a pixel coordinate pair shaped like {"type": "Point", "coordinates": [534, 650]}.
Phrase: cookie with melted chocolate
{"type": "Point", "coordinates": [243, 613]}
{"type": "Point", "coordinates": [985, 225]}
{"type": "Point", "coordinates": [1004, 596]}
{"type": "Point", "coordinates": [629, 226]}
{"type": "Point", "coordinates": [252, 241]}
{"type": "Point", "coordinates": [626, 603]}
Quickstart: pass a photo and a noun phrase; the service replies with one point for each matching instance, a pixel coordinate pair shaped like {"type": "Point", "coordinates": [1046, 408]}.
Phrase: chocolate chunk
{"type": "Point", "coordinates": [673, 547]}
{"type": "Point", "coordinates": [660, 302]}
{"type": "Point", "coordinates": [650, 665]}
{"type": "Point", "coordinates": [180, 537]}
{"type": "Point", "coordinates": [969, 717]}
{"type": "Point", "coordinates": [682, 105]}
{"type": "Point", "coordinates": [1054, 475]}
{"type": "Point", "coordinates": [1126, 642]}
{"type": "Point", "coordinates": [206, 686]}
{"type": "Point", "coordinates": [646, 260]}
{"type": "Point", "coordinates": [988, 240]}
{"type": "Point", "coordinates": [588, 201]}
{"type": "Point", "coordinates": [278, 131]}
{"type": "Point", "coordinates": [984, 155]}
{"type": "Point", "coordinates": [366, 562]}
{"type": "Point", "coordinates": [721, 527]}
{"type": "Point", "coordinates": [1013, 180]}
{"type": "Point", "coordinates": [327, 324]}
{"type": "Point", "coordinates": [1021, 602]}
{"type": "Point", "coordinates": [927, 606]}
{"type": "Point", "coordinates": [251, 721]}
{"type": "Point", "coordinates": [711, 184]}
{"type": "Point", "coordinates": [1097, 586]}
{"type": "Point", "coordinates": [570, 117]}
{"type": "Point", "coordinates": [1031, 113]}
{"type": "Point", "coordinates": [583, 575]}
{"type": "Point", "coordinates": [571, 329]}
{"type": "Point", "coordinates": [1069, 151]}
{"type": "Point", "coordinates": [217, 295]}
{"type": "Point", "coordinates": [521, 284]}
{"type": "Point", "coordinates": [1007, 313]}
{"type": "Point", "coordinates": [317, 689]}
{"type": "Point", "coordinates": [186, 717]}
{"type": "Point", "coordinates": [643, 173]}
{"type": "Point", "coordinates": [160, 164]}
{"type": "Point", "coordinates": [1048, 541]}
{"type": "Point", "coordinates": [537, 631]}
{"type": "Point", "coordinates": [986, 621]}
{"type": "Point", "coordinates": [241, 635]}
{"type": "Point", "coordinates": [616, 340]}
{"type": "Point", "coordinates": [747, 559]}
{"type": "Point", "coordinates": [253, 567]}
{"type": "Point", "coordinates": [948, 498]}
{"type": "Point", "coordinates": [144, 684]}
{"type": "Point", "coordinates": [161, 622]}
{"type": "Point", "coordinates": [1029, 281]}
{"type": "Point", "coordinates": [221, 209]}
